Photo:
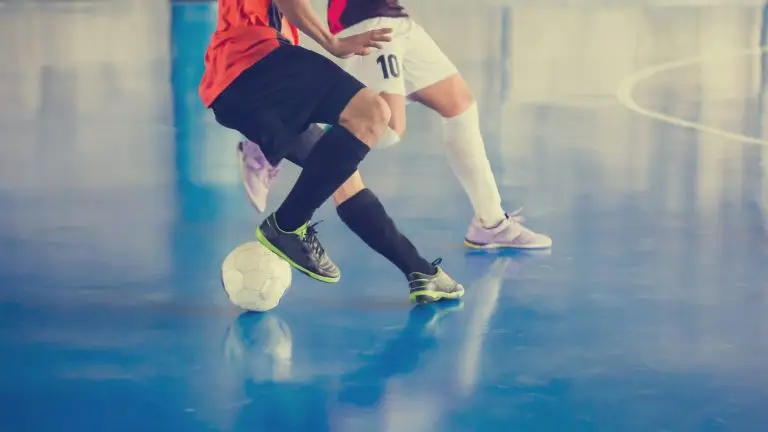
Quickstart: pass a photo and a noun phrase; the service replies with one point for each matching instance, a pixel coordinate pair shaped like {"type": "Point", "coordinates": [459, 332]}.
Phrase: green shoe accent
{"type": "Point", "coordinates": [429, 296]}
{"type": "Point", "coordinates": [301, 232]}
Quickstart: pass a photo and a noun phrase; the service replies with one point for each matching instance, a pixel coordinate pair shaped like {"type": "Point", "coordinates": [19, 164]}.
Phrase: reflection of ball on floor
{"type": "Point", "coordinates": [255, 278]}
{"type": "Point", "coordinates": [260, 346]}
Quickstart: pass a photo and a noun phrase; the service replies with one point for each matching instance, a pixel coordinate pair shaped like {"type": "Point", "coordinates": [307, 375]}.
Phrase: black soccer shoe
{"type": "Point", "coordinates": [432, 288]}
{"type": "Point", "coordinates": [300, 248]}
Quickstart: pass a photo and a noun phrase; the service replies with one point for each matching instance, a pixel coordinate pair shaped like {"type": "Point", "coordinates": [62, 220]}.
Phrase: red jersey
{"type": "Point", "coordinates": [246, 31]}
{"type": "Point", "coordinates": [346, 13]}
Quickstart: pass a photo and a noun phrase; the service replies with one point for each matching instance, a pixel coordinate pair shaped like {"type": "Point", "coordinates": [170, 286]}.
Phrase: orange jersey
{"type": "Point", "coordinates": [247, 30]}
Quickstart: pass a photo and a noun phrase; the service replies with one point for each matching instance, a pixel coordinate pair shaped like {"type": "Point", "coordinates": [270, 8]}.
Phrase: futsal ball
{"type": "Point", "coordinates": [254, 278]}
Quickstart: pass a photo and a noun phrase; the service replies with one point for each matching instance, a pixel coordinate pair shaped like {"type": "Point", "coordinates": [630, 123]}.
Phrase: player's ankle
{"type": "Point", "coordinates": [491, 223]}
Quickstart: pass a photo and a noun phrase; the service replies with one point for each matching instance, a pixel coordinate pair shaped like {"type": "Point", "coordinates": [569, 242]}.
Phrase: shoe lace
{"type": "Point", "coordinates": [255, 158]}
{"type": "Point", "coordinates": [516, 217]}
{"type": "Point", "coordinates": [308, 234]}
{"type": "Point", "coordinates": [437, 262]}
{"type": "Point", "coordinates": [272, 172]}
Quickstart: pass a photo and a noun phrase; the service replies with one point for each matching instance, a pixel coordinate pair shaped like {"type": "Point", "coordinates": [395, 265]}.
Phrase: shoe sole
{"type": "Point", "coordinates": [263, 240]}
{"type": "Point", "coordinates": [240, 165]}
{"type": "Point", "coordinates": [424, 297]}
{"type": "Point", "coordinates": [473, 245]}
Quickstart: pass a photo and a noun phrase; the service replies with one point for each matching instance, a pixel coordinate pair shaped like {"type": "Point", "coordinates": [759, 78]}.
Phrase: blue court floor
{"type": "Point", "coordinates": [634, 135]}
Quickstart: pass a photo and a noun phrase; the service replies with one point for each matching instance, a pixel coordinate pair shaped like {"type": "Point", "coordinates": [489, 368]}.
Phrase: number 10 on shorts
{"type": "Point", "coordinates": [390, 66]}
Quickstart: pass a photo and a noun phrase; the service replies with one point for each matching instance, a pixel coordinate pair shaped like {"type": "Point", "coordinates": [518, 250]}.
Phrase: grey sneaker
{"type": "Point", "coordinates": [432, 288]}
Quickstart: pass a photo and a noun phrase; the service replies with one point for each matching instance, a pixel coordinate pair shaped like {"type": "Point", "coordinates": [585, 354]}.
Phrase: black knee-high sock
{"type": "Point", "coordinates": [365, 216]}
{"type": "Point", "coordinates": [331, 162]}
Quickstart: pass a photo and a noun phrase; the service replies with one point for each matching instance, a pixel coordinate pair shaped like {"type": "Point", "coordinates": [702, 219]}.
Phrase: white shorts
{"type": "Point", "coordinates": [410, 62]}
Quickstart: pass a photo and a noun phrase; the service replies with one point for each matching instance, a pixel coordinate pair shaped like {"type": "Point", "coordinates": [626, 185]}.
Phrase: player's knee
{"type": "Point", "coordinates": [366, 116]}
{"type": "Point", "coordinates": [378, 116]}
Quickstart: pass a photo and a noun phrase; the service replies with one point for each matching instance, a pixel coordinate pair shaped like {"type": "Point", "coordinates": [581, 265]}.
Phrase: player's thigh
{"type": "Point", "coordinates": [275, 138]}
{"type": "Point", "coordinates": [275, 100]}
{"type": "Point", "coordinates": [425, 63]}
{"type": "Point", "coordinates": [319, 91]}
{"type": "Point", "coordinates": [241, 107]}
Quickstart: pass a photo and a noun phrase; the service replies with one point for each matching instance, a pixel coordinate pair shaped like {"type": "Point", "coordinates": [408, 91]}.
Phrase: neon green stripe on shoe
{"type": "Point", "coordinates": [436, 295]}
{"type": "Point", "coordinates": [263, 240]}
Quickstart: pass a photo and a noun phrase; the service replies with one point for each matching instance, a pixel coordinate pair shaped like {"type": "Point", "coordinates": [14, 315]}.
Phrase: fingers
{"type": "Point", "coordinates": [373, 39]}
{"type": "Point", "coordinates": [380, 35]}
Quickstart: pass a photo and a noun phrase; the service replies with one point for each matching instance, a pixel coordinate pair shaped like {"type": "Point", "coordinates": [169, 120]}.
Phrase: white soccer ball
{"type": "Point", "coordinates": [254, 278]}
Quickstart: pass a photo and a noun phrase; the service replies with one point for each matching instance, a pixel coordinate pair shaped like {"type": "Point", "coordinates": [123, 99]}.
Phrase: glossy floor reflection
{"type": "Point", "coordinates": [119, 197]}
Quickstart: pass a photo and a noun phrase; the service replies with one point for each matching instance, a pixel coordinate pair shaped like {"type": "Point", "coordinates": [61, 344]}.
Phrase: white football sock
{"type": "Point", "coordinates": [388, 139]}
{"type": "Point", "coordinates": [465, 150]}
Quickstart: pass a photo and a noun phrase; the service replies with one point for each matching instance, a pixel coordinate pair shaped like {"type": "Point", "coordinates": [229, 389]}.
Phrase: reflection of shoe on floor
{"type": "Point", "coordinates": [427, 317]}
{"type": "Point", "coordinates": [399, 356]}
{"type": "Point", "coordinates": [506, 266]}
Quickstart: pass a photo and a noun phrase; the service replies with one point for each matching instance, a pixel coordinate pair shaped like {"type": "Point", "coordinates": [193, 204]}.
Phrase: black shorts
{"type": "Point", "coordinates": [280, 96]}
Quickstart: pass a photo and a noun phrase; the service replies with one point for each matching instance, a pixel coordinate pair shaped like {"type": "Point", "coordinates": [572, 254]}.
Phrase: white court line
{"type": "Point", "coordinates": [625, 95]}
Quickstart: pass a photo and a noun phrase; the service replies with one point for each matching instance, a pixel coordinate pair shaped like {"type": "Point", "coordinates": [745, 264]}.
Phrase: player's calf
{"type": "Point", "coordinates": [332, 161]}
{"type": "Point", "coordinates": [364, 214]}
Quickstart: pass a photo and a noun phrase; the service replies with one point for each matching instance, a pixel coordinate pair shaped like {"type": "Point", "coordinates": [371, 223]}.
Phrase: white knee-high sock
{"type": "Point", "coordinates": [388, 139]}
{"type": "Point", "coordinates": [465, 150]}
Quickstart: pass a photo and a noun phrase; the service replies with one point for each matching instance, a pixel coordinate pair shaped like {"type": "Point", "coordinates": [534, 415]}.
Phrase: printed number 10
{"type": "Point", "coordinates": [390, 66]}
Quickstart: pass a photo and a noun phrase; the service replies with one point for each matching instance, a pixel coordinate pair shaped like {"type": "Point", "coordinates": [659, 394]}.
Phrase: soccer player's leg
{"type": "Point", "coordinates": [360, 209]}
{"type": "Point", "coordinates": [381, 72]}
{"type": "Point", "coordinates": [258, 174]}
{"type": "Point", "coordinates": [433, 80]}
{"type": "Point", "coordinates": [287, 90]}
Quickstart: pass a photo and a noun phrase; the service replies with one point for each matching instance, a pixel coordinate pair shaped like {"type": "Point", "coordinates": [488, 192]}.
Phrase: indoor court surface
{"type": "Point", "coordinates": [633, 132]}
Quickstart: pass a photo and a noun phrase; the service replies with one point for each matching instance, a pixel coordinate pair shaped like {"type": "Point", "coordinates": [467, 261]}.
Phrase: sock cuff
{"type": "Point", "coordinates": [346, 209]}
{"type": "Point", "coordinates": [471, 111]}
{"type": "Point", "coordinates": [343, 140]}
{"type": "Point", "coordinates": [388, 139]}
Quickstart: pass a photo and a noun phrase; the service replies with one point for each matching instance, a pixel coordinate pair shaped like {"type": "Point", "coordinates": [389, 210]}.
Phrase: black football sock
{"type": "Point", "coordinates": [365, 216]}
{"type": "Point", "coordinates": [331, 162]}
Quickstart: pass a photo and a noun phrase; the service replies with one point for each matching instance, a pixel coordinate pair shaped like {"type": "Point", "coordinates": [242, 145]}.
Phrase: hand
{"type": "Point", "coordinates": [359, 44]}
